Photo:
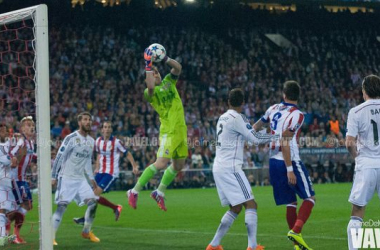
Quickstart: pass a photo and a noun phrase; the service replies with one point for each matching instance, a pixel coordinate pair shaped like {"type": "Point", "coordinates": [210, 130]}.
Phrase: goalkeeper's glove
{"type": "Point", "coordinates": [148, 59]}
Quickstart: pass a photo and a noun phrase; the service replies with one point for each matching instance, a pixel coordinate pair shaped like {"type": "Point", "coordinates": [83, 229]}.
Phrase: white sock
{"type": "Point", "coordinates": [355, 222]}
{"type": "Point", "coordinates": [89, 216]}
{"type": "Point", "coordinates": [3, 222]}
{"type": "Point", "coordinates": [57, 216]}
{"type": "Point", "coordinates": [225, 224]}
{"type": "Point", "coordinates": [22, 210]}
{"type": "Point", "coordinates": [251, 224]}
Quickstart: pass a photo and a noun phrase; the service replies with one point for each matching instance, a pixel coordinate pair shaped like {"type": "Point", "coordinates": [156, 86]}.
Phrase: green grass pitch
{"type": "Point", "coordinates": [192, 218]}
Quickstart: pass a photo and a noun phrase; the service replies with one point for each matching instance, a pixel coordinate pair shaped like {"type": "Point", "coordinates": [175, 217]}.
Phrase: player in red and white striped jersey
{"type": "Point", "coordinates": [109, 148]}
{"type": "Point", "coordinates": [288, 175]}
{"type": "Point", "coordinates": [22, 191]}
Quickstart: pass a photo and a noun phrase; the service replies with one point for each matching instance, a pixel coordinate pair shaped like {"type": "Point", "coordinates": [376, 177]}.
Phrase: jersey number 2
{"type": "Point", "coordinates": [219, 132]}
{"type": "Point", "coordinates": [375, 133]}
{"type": "Point", "coordinates": [274, 122]}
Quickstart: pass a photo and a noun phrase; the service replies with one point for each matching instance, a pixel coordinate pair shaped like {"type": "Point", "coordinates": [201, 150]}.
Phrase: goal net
{"type": "Point", "coordinates": [24, 91]}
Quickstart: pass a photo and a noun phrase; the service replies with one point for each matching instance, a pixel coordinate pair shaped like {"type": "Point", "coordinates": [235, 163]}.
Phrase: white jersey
{"type": "Point", "coordinates": [364, 123]}
{"type": "Point", "coordinates": [5, 165]}
{"type": "Point", "coordinates": [233, 130]}
{"type": "Point", "coordinates": [109, 154]}
{"type": "Point", "coordinates": [19, 173]}
{"type": "Point", "coordinates": [284, 116]}
{"type": "Point", "coordinates": [74, 157]}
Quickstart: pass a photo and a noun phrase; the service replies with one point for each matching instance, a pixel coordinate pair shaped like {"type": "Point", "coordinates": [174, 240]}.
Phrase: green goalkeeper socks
{"type": "Point", "coordinates": [169, 176]}
{"type": "Point", "coordinates": [148, 173]}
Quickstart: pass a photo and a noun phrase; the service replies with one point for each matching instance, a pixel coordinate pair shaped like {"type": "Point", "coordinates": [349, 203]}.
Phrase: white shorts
{"type": "Point", "coordinates": [233, 188]}
{"type": "Point", "coordinates": [7, 199]}
{"type": "Point", "coordinates": [71, 189]}
{"type": "Point", "coordinates": [366, 181]}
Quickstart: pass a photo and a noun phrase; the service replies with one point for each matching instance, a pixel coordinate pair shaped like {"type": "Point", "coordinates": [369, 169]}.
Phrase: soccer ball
{"type": "Point", "coordinates": [158, 52]}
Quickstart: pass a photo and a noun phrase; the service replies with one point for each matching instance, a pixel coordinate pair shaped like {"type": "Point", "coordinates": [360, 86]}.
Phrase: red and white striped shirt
{"type": "Point", "coordinates": [109, 152]}
{"type": "Point", "coordinates": [284, 116]}
{"type": "Point", "coordinates": [19, 173]}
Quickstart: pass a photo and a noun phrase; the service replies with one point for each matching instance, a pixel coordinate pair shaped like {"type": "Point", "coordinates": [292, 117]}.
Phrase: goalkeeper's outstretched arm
{"type": "Point", "coordinates": [176, 66]}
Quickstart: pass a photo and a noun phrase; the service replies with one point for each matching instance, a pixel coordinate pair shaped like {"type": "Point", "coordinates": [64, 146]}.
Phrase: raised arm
{"type": "Point", "coordinates": [263, 121]}
{"type": "Point", "coordinates": [149, 78]}
{"type": "Point", "coordinates": [176, 66]}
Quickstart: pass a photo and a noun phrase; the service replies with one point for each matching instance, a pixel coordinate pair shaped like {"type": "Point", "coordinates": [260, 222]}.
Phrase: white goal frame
{"type": "Point", "coordinates": [39, 15]}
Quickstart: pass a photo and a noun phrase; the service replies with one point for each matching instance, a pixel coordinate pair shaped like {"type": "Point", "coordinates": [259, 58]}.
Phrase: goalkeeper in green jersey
{"type": "Point", "coordinates": [162, 94]}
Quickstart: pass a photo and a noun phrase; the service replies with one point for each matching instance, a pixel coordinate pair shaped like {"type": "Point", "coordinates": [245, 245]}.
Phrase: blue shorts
{"type": "Point", "coordinates": [282, 191]}
{"type": "Point", "coordinates": [104, 181]}
{"type": "Point", "coordinates": [22, 192]}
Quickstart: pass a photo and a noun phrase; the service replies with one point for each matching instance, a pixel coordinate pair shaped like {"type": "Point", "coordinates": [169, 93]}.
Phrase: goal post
{"type": "Point", "coordinates": [38, 14]}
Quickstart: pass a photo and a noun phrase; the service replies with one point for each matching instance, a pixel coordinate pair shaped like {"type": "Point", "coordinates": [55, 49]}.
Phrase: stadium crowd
{"type": "Point", "coordinates": [100, 69]}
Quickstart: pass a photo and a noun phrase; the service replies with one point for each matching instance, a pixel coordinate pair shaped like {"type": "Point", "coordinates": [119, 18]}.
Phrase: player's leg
{"type": "Point", "coordinates": [291, 214]}
{"type": "Point", "coordinates": [23, 208]}
{"type": "Point", "coordinates": [251, 224]}
{"type": "Point", "coordinates": [363, 188]}
{"type": "Point", "coordinates": [226, 222]}
{"type": "Point", "coordinates": [66, 191]}
{"type": "Point", "coordinates": [178, 151]}
{"type": "Point", "coordinates": [305, 191]}
{"type": "Point", "coordinates": [86, 195]}
{"type": "Point", "coordinates": [250, 211]}
{"type": "Point", "coordinates": [104, 182]}
{"type": "Point", "coordinates": [148, 174]}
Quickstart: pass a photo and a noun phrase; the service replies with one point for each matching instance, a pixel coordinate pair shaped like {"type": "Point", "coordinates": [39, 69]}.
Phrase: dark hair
{"type": "Point", "coordinates": [236, 97]}
{"type": "Point", "coordinates": [104, 122]}
{"type": "Point", "coordinates": [80, 116]}
{"type": "Point", "coordinates": [292, 90]}
{"type": "Point", "coordinates": [371, 86]}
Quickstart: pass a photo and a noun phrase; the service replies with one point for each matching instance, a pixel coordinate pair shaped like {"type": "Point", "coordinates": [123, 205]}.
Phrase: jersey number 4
{"type": "Point", "coordinates": [375, 133]}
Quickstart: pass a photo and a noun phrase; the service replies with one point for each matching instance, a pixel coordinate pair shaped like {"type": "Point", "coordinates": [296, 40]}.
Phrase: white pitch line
{"type": "Point", "coordinates": [212, 233]}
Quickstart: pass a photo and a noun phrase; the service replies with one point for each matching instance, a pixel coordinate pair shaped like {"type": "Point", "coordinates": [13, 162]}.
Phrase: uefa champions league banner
{"type": "Point", "coordinates": [319, 151]}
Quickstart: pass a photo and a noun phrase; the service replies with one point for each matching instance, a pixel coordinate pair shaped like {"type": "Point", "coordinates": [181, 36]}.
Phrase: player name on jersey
{"type": "Point", "coordinates": [375, 111]}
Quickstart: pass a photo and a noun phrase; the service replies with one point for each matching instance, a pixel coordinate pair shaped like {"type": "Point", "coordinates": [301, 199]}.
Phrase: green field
{"type": "Point", "coordinates": [192, 218]}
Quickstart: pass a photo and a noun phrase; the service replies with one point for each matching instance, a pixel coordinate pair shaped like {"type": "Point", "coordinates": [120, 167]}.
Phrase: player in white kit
{"type": "Point", "coordinates": [7, 200]}
{"type": "Point", "coordinates": [72, 163]}
{"type": "Point", "coordinates": [362, 141]}
{"type": "Point", "coordinates": [233, 131]}
{"type": "Point", "coordinates": [109, 149]}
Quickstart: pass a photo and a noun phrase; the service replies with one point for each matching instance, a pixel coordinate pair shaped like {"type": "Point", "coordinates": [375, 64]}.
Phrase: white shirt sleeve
{"type": "Point", "coordinates": [352, 124]}
{"type": "Point", "coordinates": [19, 145]}
{"type": "Point", "coordinates": [62, 152]}
{"type": "Point", "coordinates": [242, 126]}
{"type": "Point", "coordinates": [5, 160]}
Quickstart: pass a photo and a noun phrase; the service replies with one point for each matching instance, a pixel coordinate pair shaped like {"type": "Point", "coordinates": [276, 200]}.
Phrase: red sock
{"type": "Point", "coordinates": [103, 201]}
{"type": "Point", "coordinates": [19, 220]}
{"type": "Point", "coordinates": [8, 227]}
{"type": "Point", "coordinates": [303, 215]}
{"type": "Point", "coordinates": [291, 214]}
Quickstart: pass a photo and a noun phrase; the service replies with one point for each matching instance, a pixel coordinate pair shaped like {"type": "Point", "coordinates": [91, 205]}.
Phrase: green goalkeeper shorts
{"type": "Point", "coordinates": [173, 146]}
